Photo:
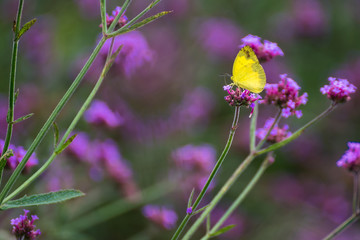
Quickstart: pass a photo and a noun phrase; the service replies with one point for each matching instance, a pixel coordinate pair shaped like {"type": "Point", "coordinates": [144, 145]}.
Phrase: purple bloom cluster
{"type": "Point", "coordinates": [277, 134]}
{"type": "Point", "coordinates": [264, 51]}
{"type": "Point", "coordinates": [162, 216]}
{"type": "Point", "coordinates": [241, 97]}
{"type": "Point", "coordinates": [24, 228]}
{"type": "Point", "coordinates": [122, 21]}
{"type": "Point", "coordinates": [103, 156]}
{"type": "Point", "coordinates": [338, 90]}
{"type": "Point", "coordinates": [100, 114]}
{"type": "Point", "coordinates": [351, 158]}
{"type": "Point", "coordinates": [285, 95]}
{"type": "Point", "coordinates": [19, 153]}
{"type": "Point", "coordinates": [197, 161]}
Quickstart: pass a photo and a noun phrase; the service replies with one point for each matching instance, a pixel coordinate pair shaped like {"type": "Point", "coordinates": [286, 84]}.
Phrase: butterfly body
{"type": "Point", "coordinates": [247, 71]}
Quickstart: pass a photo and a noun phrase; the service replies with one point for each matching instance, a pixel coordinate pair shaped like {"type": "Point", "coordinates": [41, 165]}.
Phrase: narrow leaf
{"type": "Point", "coordinates": [20, 119]}
{"type": "Point", "coordinates": [42, 199]}
{"type": "Point", "coordinates": [14, 26]}
{"type": "Point", "coordinates": [191, 198]}
{"type": "Point", "coordinates": [56, 134]}
{"type": "Point", "coordinates": [25, 28]}
{"type": "Point", "coordinates": [16, 95]}
{"type": "Point", "coordinates": [222, 230]}
{"type": "Point", "coordinates": [200, 210]}
{"type": "Point", "coordinates": [208, 223]}
{"type": "Point", "coordinates": [66, 144]}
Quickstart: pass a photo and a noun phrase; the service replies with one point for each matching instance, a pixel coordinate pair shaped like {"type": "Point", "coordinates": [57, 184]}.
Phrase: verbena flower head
{"type": "Point", "coordinates": [277, 134]}
{"type": "Point", "coordinates": [264, 51]}
{"type": "Point", "coordinates": [241, 97]}
{"type": "Point", "coordinates": [24, 228]}
{"type": "Point", "coordinates": [100, 114]}
{"type": "Point", "coordinates": [162, 216]}
{"type": "Point", "coordinates": [285, 95]}
{"type": "Point", "coordinates": [122, 21]}
{"type": "Point", "coordinates": [338, 90]}
{"type": "Point", "coordinates": [351, 158]}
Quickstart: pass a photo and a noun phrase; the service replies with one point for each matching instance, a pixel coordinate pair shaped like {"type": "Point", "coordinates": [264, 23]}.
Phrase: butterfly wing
{"type": "Point", "coordinates": [247, 71]}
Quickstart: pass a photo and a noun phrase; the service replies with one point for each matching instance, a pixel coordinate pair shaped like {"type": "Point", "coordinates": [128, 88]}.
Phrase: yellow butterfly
{"type": "Point", "coordinates": [247, 71]}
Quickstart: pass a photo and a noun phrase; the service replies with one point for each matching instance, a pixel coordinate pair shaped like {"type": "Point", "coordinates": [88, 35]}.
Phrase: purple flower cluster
{"type": "Point", "coordinates": [122, 21]}
{"type": "Point", "coordinates": [162, 216]}
{"type": "Point", "coordinates": [103, 156]}
{"type": "Point", "coordinates": [351, 158]}
{"type": "Point", "coordinates": [24, 228]}
{"type": "Point", "coordinates": [241, 97]}
{"type": "Point", "coordinates": [264, 51]}
{"type": "Point", "coordinates": [197, 161]}
{"type": "Point", "coordinates": [277, 134]}
{"type": "Point", "coordinates": [338, 90]}
{"type": "Point", "coordinates": [285, 95]}
{"type": "Point", "coordinates": [100, 114]}
{"type": "Point", "coordinates": [19, 153]}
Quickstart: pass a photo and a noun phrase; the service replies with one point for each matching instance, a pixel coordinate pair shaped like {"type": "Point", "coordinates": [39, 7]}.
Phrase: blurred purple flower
{"type": "Point", "coordinates": [122, 20]}
{"type": "Point", "coordinates": [276, 135]}
{"type": "Point", "coordinates": [285, 95]}
{"type": "Point", "coordinates": [24, 228]}
{"type": "Point", "coordinates": [351, 158]}
{"type": "Point", "coordinates": [219, 36]}
{"type": "Point", "coordinates": [160, 215]}
{"type": "Point", "coordinates": [339, 90]}
{"type": "Point", "coordinates": [134, 53]}
{"type": "Point", "coordinates": [80, 147]}
{"type": "Point", "coordinates": [100, 114]}
{"type": "Point", "coordinates": [241, 98]}
{"type": "Point", "coordinates": [59, 176]}
{"type": "Point", "coordinates": [264, 51]}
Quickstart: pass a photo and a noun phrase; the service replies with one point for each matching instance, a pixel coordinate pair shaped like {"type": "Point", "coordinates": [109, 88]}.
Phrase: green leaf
{"type": "Point", "coordinates": [4, 157]}
{"type": "Point", "coordinates": [25, 28]}
{"type": "Point", "coordinates": [16, 95]}
{"type": "Point", "coordinates": [66, 144]}
{"type": "Point", "coordinates": [200, 210]}
{"type": "Point", "coordinates": [56, 134]}
{"type": "Point", "coordinates": [42, 199]}
{"type": "Point", "coordinates": [20, 119]}
{"type": "Point", "coordinates": [191, 198]}
{"type": "Point", "coordinates": [208, 223]}
{"type": "Point", "coordinates": [221, 231]}
{"type": "Point", "coordinates": [148, 20]}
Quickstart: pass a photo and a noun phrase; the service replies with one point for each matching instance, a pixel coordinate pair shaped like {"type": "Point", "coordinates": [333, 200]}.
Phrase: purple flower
{"type": "Point", "coordinates": [162, 216]}
{"type": "Point", "coordinates": [285, 95]}
{"type": "Point", "coordinates": [80, 147]}
{"type": "Point", "coordinates": [338, 90]}
{"type": "Point", "coordinates": [264, 51]}
{"type": "Point", "coordinates": [24, 228]}
{"type": "Point", "coordinates": [189, 210]}
{"type": "Point", "coordinates": [241, 98]}
{"type": "Point", "coordinates": [219, 37]}
{"type": "Point", "coordinates": [351, 158]}
{"type": "Point", "coordinates": [276, 135]}
{"type": "Point", "coordinates": [122, 21]}
{"type": "Point", "coordinates": [100, 114]}
{"type": "Point", "coordinates": [134, 53]}
{"type": "Point", "coordinates": [19, 153]}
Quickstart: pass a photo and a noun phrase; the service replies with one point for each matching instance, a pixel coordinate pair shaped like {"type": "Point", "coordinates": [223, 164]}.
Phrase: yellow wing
{"type": "Point", "coordinates": [247, 71]}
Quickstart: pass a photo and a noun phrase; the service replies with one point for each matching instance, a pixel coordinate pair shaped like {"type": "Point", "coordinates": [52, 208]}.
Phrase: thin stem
{"type": "Point", "coordinates": [116, 20]}
{"type": "Point", "coordinates": [276, 121]}
{"type": "Point", "coordinates": [356, 193]}
{"type": "Point", "coordinates": [15, 48]}
{"type": "Point", "coordinates": [297, 133]}
{"type": "Point", "coordinates": [121, 206]}
{"type": "Point", "coordinates": [253, 127]}
{"type": "Point", "coordinates": [266, 163]}
{"type": "Point", "coordinates": [342, 227]}
{"type": "Point", "coordinates": [219, 195]}
{"type": "Point", "coordinates": [213, 173]}
{"type": "Point", "coordinates": [66, 135]}
{"type": "Point", "coordinates": [50, 121]}
{"type": "Point", "coordinates": [103, 15]}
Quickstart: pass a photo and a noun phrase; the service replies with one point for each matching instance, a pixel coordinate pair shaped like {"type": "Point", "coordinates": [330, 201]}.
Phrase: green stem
{"type": "Point", "coordinates": [342, 227]}
{"type": "Point", "coordinates": [253, 127]}
{"type": "Point", "coordinates": [266, 163]}
{"type": "Point", "coordinates": [213, 173]}
{"type": "Point", "coordinates": [356, 193]}
{"type": "Point", "coordinates": [276, 121]}
{"type": "Point", "coordinates": [219, 195]}
{"type": "Point", "coordinates": [50, 120]}
{"type": "Point", "coordinates": [103, 15]}
{"type": "Point", "coordinates": [15, 48]}
{"type": "Point", "coordinates": [121, 206]}
{"type": "Point", "coordinates": [116, 20]}
{"type": "Point", "coordinates": [66, 135]}
{"type": "Point", "coordinates": [297, 133]}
